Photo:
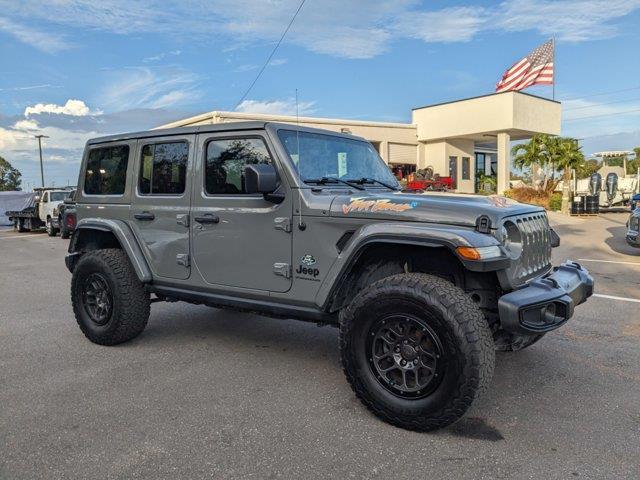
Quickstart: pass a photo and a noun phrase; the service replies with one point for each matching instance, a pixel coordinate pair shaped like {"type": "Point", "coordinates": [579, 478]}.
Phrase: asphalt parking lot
{"type": "Point", "coordinates": [205, 393]}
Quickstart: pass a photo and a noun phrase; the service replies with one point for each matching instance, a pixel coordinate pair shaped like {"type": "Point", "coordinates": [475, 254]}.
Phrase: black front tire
{"type": "Point", "coordinates": [449, 319]}
{"type": "Point", "coordinates": [127, 303]}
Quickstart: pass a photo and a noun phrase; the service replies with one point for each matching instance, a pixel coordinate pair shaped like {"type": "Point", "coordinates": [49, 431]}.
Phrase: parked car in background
{"type": "Point", "coordinates": [65, 215]}
{"type": "Point", "coordinates": [633, 228]}
{"type": "Point", "coordinates": [38, 211]}
{"type": "Point", "coordinates": [635, 201]}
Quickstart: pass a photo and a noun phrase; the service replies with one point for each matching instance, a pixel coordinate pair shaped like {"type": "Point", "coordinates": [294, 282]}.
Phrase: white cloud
{"type": "Point", "coordinates": [456, 24]}
{"type": "Point", "coordinates": [147, 88]}
{"type": "Point", "coordinates": [570, 20]}
{"type": "Point", "coordinates": [25, 125]}
{"type": "Point", "coordinates": [27, 87]}
{"type": "Point", "coordinates": [278, 61]}
{"type": "Point", "coordinates": [276, 107]}
{"type": "Point", "coordinates": [161, 56]}
{"type": "Point", "coordinates": [343, 28]}
{"type": "Point", "coordinates": [75, 108]}
{"type": "Point", "coordinates": [245, 68]}
{"type": "Point", "coordinates": [45, 41]}
{"type": "Point", "coordinates": [583, 118]}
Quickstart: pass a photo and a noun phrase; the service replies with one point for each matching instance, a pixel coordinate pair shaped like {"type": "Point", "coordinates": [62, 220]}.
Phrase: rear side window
{"type": "Point", "coordinates": [163, 168]}
{"type": "Point", "coordinates": [106, 170]}
{"type": "Point", "coordinates": [226, 159]}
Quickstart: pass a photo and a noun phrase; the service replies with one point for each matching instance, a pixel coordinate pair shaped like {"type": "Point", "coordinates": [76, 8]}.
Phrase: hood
{"type": "Point", "coordinates": [435, 207]}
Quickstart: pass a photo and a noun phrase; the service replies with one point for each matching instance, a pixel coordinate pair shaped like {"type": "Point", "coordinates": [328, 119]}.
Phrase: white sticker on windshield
{"type": "Point", "coordinates": [342, 164]}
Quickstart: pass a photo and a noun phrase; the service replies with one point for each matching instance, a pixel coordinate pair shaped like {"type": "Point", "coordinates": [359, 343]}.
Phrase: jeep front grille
{"type": "Point", "coordinates": [536, 246]}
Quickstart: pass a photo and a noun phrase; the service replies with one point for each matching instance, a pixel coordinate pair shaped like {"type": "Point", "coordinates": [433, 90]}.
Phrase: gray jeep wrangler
{"type": "Point", "coordinates": [309, 224]}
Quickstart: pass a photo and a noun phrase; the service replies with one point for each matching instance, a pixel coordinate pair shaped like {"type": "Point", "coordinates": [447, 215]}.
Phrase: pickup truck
{"type": "Point", "coordinates": [38, 211]}
{"type": "Point", "coordinates": [64, 215]}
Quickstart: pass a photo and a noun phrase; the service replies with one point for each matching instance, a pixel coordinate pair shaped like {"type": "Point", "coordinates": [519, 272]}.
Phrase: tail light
{"type": "Point", "coordinates": [71, 221]}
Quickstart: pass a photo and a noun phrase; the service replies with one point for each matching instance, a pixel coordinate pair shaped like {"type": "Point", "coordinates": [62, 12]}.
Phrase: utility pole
{"type": "Point", "coordinates": [40, 137]}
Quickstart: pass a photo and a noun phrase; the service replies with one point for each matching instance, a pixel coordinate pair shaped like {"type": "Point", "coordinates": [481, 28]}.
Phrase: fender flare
{"type": "Point", "coordinates": [406, 234]}
{"type": "Point", "coordinates": [125, 237]}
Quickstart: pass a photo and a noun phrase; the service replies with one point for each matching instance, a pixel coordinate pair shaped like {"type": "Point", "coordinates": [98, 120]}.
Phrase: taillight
{"type": "Point", "coordinates": [71, 221]}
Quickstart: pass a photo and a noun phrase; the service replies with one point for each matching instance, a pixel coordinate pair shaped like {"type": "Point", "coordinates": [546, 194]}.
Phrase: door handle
{"type": "Point", "coordinates": [207, 218]}
{"type": "Point", "coordinates": [144, 216]}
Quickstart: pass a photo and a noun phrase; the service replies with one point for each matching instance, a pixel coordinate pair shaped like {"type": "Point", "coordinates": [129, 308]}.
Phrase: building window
{"type": "Point", "coordinates": [480, 164]}
{"type": "Point", "coordinates": [226, 159]}
{"type": "Point", "coordinates": [163, 168]}
{"type": "Point", "coordinates": [453, 171]}
{"type": "Point", "coordinates": [466, 168]}
{"type": "Point", "coordinates": [106, 172]}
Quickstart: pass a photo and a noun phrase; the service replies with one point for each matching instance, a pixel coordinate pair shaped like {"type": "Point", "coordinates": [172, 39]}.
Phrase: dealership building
{"type": "Point", "coordinates": [463, 139]}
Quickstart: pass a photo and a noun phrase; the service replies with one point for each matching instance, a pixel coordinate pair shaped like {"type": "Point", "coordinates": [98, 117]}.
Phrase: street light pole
{"type": "Point", "coordinates": [40, 137]}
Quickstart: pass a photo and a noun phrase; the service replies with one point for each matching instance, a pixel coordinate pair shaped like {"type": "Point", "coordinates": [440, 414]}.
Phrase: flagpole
{"type": "Point", "coordinates": [555, 68]}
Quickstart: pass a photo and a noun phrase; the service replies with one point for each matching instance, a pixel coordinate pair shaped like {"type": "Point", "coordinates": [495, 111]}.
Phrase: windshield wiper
{"type": "Point", "coordinates": [325, 180]}
{"type": "Point", "coordinates": [372, 180]}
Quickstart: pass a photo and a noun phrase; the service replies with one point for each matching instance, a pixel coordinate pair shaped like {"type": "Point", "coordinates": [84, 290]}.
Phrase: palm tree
{"type": "Point", "coordinates": [530, 155]}
{"type": "Point", "coordinates": [568, 155]}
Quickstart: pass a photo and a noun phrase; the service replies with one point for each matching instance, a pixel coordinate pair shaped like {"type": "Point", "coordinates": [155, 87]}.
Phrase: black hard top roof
{"type": "Point", "coordinates": [215, 127]}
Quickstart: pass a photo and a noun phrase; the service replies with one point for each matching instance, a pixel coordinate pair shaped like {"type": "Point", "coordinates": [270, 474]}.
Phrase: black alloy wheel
{"type": "Point", "coordinates": [97, 299]}
{"type": "Point", "coordinates": [406, 356]}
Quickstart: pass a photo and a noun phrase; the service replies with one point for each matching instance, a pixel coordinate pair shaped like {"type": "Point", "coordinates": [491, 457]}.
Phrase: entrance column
{"type": "Point", "coordinates": [503, 167]}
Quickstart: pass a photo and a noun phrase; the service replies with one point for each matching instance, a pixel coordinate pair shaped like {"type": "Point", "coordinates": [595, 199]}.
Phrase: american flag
{"type": "Point", "coordinates": [535, 68]}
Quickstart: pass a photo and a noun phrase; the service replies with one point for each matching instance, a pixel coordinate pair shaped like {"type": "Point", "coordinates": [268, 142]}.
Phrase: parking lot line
{"type": "Point", "coordinates": [608, 261]}
{"type": "Point", "coordinates": [7, 237]}
{"type": "Point", "coordinates": [613, 297]}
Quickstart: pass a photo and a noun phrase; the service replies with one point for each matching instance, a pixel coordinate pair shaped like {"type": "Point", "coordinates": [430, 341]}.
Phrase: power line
{"type": "Point", "coordinates": [603, 115]}
{"type": "Point", "coordinates": [599, 104]}
{"type": "Point", "coordinates": [601, 93]}
{"type": "Point", "coordinates": [270, 56]}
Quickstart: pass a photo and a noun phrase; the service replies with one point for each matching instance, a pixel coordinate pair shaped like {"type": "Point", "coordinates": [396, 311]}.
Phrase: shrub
{"type": "Point", "coordinates": [532, 196]}
{"type": "Point", "coordinates": [555, 202]}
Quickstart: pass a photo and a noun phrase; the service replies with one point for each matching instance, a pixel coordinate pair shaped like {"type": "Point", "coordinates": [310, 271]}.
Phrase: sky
{"type": "Point", "coordinates": [77, 69]}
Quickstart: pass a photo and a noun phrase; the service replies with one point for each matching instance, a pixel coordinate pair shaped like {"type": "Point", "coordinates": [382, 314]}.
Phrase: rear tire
{"type": "Point", "coordinates": [416, 350]}
{"type": "Point", "coordinates": [64, 233]}
{"type": "Point", "coordinates": [109, 301]}
{"type": "Point", "coordinates": [51, 230]}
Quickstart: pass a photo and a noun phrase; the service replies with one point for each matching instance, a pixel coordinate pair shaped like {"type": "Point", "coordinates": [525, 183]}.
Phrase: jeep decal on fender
{"type": "Point", "coordinates": [384, 205]}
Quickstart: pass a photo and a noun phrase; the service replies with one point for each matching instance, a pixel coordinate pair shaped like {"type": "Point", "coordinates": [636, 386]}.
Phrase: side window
{"type": "Point", "coordinates": [163, 168]}
{"type": "Point", "coordinates": [106, 170]}
{"type": "Point", "coordinates": [226, 159]}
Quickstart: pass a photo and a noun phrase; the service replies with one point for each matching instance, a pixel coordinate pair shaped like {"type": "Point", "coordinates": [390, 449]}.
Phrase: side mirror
{"type": "Point", "coordinates": [260, 178]}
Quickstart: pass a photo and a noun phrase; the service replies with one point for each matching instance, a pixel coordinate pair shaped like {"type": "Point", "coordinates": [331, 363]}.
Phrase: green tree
{"type": "Point", "coordinates": [587, 168]}
{"type": "Point", "coordinates": [567, 155]}
{"type": "Point", "coordinates": [530, 156]}
{"type": "Point", "coordinates": [9, 176]}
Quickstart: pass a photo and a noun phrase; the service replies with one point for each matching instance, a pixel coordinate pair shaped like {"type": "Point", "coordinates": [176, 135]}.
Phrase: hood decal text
{"type": "Point", "coordinates": [384, 205]}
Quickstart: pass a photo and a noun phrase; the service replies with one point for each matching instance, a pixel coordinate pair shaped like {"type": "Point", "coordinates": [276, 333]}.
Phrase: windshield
{"type": "Point", "coordinates": [318, 156]}
{"type": "Point", "coordinates": [57, 196]}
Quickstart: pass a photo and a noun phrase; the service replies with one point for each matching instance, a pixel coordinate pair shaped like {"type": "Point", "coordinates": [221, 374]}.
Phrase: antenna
{"type": "Point", "coordinates": [301, 224]}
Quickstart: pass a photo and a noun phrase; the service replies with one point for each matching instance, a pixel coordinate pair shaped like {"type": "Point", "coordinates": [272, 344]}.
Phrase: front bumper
{"type": "Point", "coordinates": [547, 302]}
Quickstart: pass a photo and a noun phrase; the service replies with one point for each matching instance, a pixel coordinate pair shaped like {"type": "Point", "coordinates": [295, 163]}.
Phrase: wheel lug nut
{"type": "Point", "coordinates": [403, 362]}
{"type": "Point", "coordinates": [397, 349]}
{"type": "Point", "coordinates": [406, 341]}
{"type": "Point", "coordinates": [415, 362]}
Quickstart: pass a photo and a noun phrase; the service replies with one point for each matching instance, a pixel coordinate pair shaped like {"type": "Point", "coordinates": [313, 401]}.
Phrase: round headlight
{"type": "Point", "coordinates": [504, 237]}
{"type": "Point", "coordinates": [511, 239]}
